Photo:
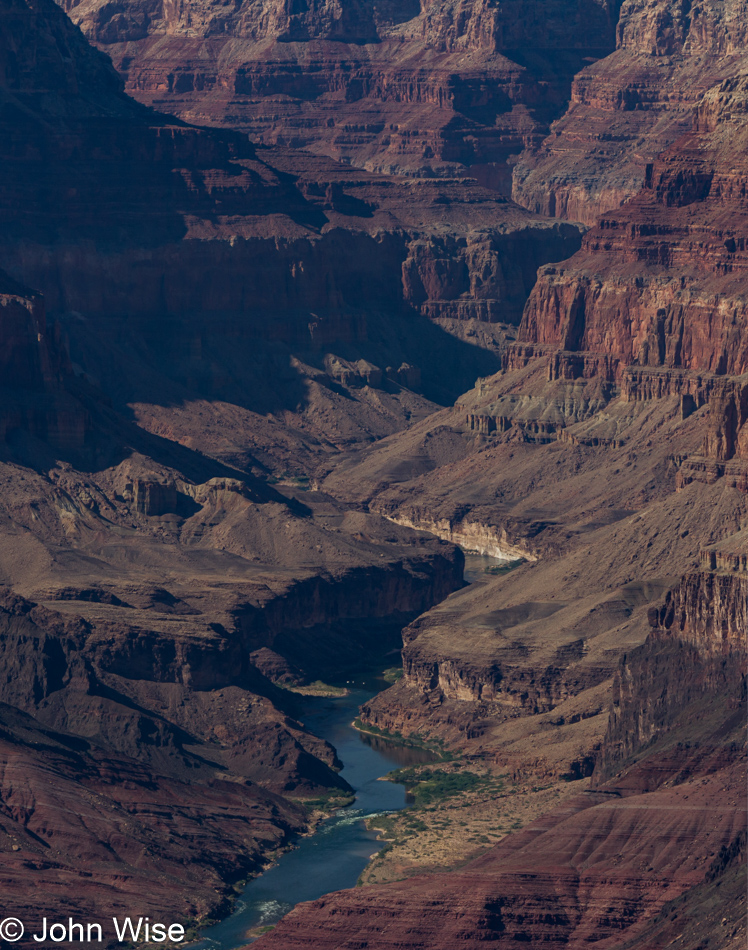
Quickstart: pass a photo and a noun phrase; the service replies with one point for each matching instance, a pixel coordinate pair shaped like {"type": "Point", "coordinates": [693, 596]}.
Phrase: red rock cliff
{"type": "Point", "coordinates": [419, 88]}
{"type": "Point", "coordinates": [690, 674]}
{"type": "Point", "coordinates": [659, 282]}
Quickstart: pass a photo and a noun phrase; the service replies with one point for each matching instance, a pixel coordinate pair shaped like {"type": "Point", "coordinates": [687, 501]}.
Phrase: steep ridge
{"type": "Point", "coordinates": [630, 106]}
{"type": "Point", "coordinates": [660, 808]}
{"type": "Point", "coordinates": [417, 87]}
{"type": "Point", "coordinates": [660, 284]}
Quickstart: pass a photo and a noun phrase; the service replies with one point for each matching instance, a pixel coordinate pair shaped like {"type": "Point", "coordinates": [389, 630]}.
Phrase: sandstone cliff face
{"type": "Point", "coordinates": [282, 20]}
{"type": "Point", "coordinates": [639, 290]}
{"type": "Point", "coordinates": [665, 30]}
{"type": "Point", "coordinates": [456, 24]}
{"type": "Point", "coordinates": [632, 105]}
{"type": "Point", "coordinates": [691, 672]}
{"type": "Point", "coordinates": [661, 282]}
{"type": "Point", "coordinates": [414, 88]}
{"type": "Point", "coordinates": [468, 24]}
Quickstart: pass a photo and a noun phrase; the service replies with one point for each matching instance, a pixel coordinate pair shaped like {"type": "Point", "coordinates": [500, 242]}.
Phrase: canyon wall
{"type": "Point", "coordinates": [34, 365]}
{"type": "Point", "coordinates": [632, 105]}
{"type": "Point", "coordinates": [153, 230]}
{"type": "Point", "coordinates": [142, 751]}
{"type": "Point", "coordinates": [647, 275]}
{"type": "Point", "coordinates": [690, 673]}
{"type": "Point", "coordinates": [129, 685]}
{"type": "Point", "coordinates": [620, 408]}
{"type": "Point", "coordinates": [610, 447]}
{"type": "Point", "coordinates": [659, 284]}
{"type": "Point", "coordinates": [424, 89]}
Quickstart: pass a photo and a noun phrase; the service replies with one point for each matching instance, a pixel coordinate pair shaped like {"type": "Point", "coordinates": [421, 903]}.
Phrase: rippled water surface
{"type": "Point", "coordinates": [481, 567]}
{"type": "Point", "coordinates": [334, 857]}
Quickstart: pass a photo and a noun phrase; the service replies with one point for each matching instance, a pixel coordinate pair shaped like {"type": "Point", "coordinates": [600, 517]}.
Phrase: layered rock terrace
{"type": "Point", "coordinates": [415, 88]}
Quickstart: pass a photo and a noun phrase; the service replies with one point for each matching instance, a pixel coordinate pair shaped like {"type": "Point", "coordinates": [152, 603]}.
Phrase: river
{"type": "Point", "coordinates": [333, 857]}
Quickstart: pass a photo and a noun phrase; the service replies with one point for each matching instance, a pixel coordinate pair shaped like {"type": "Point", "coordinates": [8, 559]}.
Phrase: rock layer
{"type": "Point", "coordinates": [632, 105]}
{"type": "Point", "coordinates": [77, 821]}
{"type": "Point", "coordinates": [626, 377]}
{"type": "Point", "coordinates": [647, 276]}
{"type": "Point", "coordinates": [420, 88]}
{"type": "Point", "coordinates": [661, 284]}
{"type": "Point", "coordinates": [142, 573]}
{"type": "Point", "coordinates": [316, 264]}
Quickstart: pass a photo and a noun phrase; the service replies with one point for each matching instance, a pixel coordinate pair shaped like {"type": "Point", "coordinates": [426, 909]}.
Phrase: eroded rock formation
{"type": "Point", "coordinates": [632, 105]}
{"type": "Point", "coordinates": [597, 452]}
{"type": "Point", "coordinates": [417, 88]}
{"type": "Point", "coordinates": [660, 283]}
{"type": "Point", "coordinates": [145, 572]}
{"type": "Point", "coordinates": [310, 262]}
{"type": "Point", "coordinates": [182, 524]}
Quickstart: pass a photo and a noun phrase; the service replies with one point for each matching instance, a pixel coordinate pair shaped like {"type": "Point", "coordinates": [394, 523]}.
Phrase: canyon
{"type": "Point", "coordinates": [597, 866]}
{"type": "Point", "coordinates": [607, 455]}
{"type": "Point", "coordinates": [143, 601]}
{"type": "Point", "coordinates": [382, 283]}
